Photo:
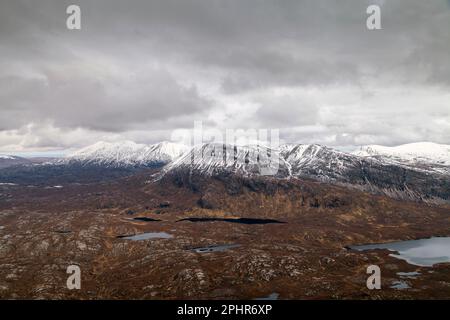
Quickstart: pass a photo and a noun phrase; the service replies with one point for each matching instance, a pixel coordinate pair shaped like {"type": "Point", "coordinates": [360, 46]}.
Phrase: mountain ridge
{"type": "Point", "coordinates": [407, 177]}
{"type": "Point", "coordinates": [429, 182]}
{"type": "Point", "coordinates": [411, 153]}
{"type": "Point", "coordinates": [126, 153]}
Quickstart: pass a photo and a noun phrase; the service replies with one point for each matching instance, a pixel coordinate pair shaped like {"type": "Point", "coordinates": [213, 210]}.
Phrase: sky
{"type": "Point", "coordinates": [140, 70]}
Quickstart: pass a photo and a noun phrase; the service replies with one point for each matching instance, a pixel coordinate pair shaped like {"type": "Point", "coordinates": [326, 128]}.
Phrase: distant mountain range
{"type": "Point", "coordinates": [412, 172]}
{"type": "Point", "coordinates": [99, 162]}
{"type": "Point", "coordinates": [8, 161]}
{"type": "Point", "coordinates": [418, 171]}
{"type": "Point", "coordinates": [126, 154]}
{"type": "Point", "coordinates": [421, 154]}
{"type": "Point", "coordinates": [298, 159]}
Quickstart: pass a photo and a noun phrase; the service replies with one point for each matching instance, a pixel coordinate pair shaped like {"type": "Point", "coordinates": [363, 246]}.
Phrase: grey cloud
{"type": "Point", "coordinates": [83, 101]}
{"type": "Point", "coordinates": [147, 66]}
{"type": "Point", "coordinates": [286, 111]}
{"type": "Point", "coordinates": [277, 42]}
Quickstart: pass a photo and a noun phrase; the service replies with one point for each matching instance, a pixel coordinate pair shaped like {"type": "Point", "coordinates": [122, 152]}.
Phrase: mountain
{"type": "Point", "coordinates": [319, 162]}
{"type": "Point", "coordinates": [99, 162]}
{"type": "Point", "coordinates": [420, 155]}
{"type": "Point", "coordinates": [287, 161]}
{"type": "Point", "coordinates": [10, 161]}
{"type": "Point", "coordinates": [217, 158]}
{"type": "Point", "coordinates": [419, 172]}
{"type": "Point", "coordinates": [373, 173]}
{"type": "Point", "coordinates": [126, 154]}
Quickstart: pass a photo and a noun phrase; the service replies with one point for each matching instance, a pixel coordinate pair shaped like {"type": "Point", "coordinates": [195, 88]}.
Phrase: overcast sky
{"type": "Point", "coordinates": [140, 69]}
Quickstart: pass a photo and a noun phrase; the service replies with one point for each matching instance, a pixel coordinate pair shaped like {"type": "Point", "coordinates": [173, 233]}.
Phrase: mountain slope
{"type": "Point", "coordinates": [10, 161]}
{"type": "Point", "coordinates": [320, 162]}
{"type": "Point", "coordinates": [217, 158]}
{"type": "Point", "coordinates": [421, 154]}
{"type": "Point", "coordinates": [127, 154]}
{"type": "Point", "coordinates": [368, 173]}
{"type": "Point", "coordinates": [99, 162]}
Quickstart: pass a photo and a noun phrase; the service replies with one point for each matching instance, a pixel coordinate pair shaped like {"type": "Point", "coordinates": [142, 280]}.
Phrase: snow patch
{"type": "Point", "coordinates": [127, 153]}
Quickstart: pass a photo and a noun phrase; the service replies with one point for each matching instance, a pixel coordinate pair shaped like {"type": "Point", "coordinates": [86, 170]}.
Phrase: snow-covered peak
{"type": "Point", "coordinates": [124, 151]}
{"type": "Point", "coordinates": [127, 153]}
{"type": "Point", "coordinates": [297, 151]}
{"type": "Point", "coordinates": [168, 151]}
{"type": "Point", "coordinates": [211, 158]}
{"type": "Point", "coordinates": [317, 160]}
{"type": "Point", "coordinates": [7, 157]}
{"type": "Point", "coordinates": [287, 160]}
{"type": "Point", "coordinates": [419, 152]}
{"type": "Point", "coordinates": [10, 161]}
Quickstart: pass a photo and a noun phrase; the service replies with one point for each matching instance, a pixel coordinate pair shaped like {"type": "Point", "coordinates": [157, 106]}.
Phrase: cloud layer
{"type": "Point", "coordinates": [141, 69]}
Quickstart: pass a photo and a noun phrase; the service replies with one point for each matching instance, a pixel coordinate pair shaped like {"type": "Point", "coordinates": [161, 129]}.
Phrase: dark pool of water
{"type": "Point", "coordinates": [422, 252]}
{"type": "Point", "coordinates": [145, 219]}
{"type": "Point", "coordinates": [233, 220]}
{"type": "Point", "coordinates": [215, 248]}
{"type": "Point", "coordinates": [63, 231]}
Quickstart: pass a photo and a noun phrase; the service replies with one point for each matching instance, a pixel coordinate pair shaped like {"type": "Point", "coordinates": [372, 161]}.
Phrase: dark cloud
{"type": "Point", "coordinates": [286, 111]}
{"type": "Point", "coordinates": [113, 103]}
{"type": "Point", "coordinates": [153, 66]}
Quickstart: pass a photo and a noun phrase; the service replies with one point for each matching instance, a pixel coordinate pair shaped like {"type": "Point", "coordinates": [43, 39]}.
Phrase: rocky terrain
{"type": "Point", "coordinates": [292, 239]}
{"type": "Point", "coordinates": [417, 172]}
{"type": "Point", "coordinates": [405, 180]}
{"type": "Point", "coordinates": [221, 222]}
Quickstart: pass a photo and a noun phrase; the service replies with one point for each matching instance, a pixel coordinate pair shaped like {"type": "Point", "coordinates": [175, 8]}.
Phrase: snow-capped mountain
{"type": "Point", "coordinates": [127, 153]}
{"type": "Point", "coordinates": [6, 157]}
{"type": "Point", "coordinates": [312, 159]}
{"type": "Point", "coordinates": [367, 172]}
{"type": "Point", "coordinates": [425, 156]}
{"type": "Point", "coordinates": [9, 161]}
{"type": "Point", "coordinates": [415, 171]}
{"type": "Point", "coordinates": [318, 161]}
{"type": "Point", "coordinates": [216, 158]}
{"type": "Point", "coordinates": [425, 152]}
{"type": "Point", "coordinates": [289, 160]}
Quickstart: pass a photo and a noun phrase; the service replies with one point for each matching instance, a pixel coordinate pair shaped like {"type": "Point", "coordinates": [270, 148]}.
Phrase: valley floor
{"type": "Point", "coordinates": [305, 257]}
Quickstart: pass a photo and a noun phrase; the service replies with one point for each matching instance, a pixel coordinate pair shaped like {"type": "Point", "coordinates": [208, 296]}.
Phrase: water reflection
{"type": "Point", "coordinates": [147, 235]}
{"type": "Point", "coordinates": [423, 252]}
